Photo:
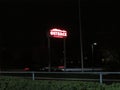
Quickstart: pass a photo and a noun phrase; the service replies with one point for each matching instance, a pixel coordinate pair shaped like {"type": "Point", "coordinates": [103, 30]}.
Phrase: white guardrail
{"type": "Point", "coordinates": [32, 74]}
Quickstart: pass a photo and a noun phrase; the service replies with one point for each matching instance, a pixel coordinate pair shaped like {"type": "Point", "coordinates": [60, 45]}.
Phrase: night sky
{"type": "Point", "coordinates": [25, 23]}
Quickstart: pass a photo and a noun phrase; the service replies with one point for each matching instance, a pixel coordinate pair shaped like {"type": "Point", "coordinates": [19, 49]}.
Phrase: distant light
{"type": "Point", "coordinates": [94, 43]}
{"type": "Point", "coordinates": [58, 33]}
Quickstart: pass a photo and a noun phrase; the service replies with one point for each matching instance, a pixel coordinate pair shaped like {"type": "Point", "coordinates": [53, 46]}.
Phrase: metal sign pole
{"type": "Point", "coordinates": [49, 55]}
{"type": "Point", "coordinates": [64, 44]}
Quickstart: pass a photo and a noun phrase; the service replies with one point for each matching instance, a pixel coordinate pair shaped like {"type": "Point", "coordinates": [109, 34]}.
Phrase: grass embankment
{"type": "Point", "coordinates": [14, 83]}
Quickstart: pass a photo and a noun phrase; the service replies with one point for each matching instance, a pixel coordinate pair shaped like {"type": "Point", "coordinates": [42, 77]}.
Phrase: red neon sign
{"type": "Point", "coordinates": [57, 33]}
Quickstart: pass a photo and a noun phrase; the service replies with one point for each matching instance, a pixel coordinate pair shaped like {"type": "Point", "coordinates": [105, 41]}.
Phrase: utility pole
{"type": "Point", "coordinates": [81, 44]}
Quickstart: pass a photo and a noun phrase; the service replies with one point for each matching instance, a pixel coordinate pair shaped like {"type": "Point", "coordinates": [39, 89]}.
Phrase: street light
{"type": "Point", "coordinates": [92, 46]}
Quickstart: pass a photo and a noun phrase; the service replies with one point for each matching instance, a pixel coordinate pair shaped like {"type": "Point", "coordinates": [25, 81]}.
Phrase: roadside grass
{"type": "Point", "coordinates": [19, 83]}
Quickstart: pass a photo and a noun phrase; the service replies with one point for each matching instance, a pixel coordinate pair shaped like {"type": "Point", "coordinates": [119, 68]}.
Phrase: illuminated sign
{"type": "Point", "coordinates": [57, 33]}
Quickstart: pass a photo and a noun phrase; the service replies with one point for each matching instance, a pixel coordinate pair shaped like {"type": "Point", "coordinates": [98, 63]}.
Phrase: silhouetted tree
{"type": "Point", "coordinates": [111, 59]}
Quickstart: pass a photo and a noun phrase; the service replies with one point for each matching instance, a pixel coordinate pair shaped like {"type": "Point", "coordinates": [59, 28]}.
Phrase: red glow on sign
{"type": "Point", "coordinates": [60, 67]}
{"type": "Point", "coordinates": [57, 33]}
{"type": "Point", "coordinates": [26, 69]}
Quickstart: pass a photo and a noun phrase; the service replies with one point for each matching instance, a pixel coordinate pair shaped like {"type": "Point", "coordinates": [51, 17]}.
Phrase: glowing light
{"type": "Point", "coordinates": [26, 69]}
{"type": "Point", "coordinates": [57, 33]}
{"type": "Point", "coordinates": [60, 67]}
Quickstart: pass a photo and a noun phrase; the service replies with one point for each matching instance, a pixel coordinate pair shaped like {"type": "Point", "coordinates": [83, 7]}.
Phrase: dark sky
{"type": "Point", "coordinates": [24, 24]}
